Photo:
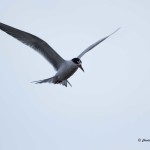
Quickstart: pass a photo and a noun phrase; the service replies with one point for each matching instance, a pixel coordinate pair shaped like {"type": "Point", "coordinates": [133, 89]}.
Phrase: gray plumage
{"type": "Point", "coordinates": [65, 69]}
{"type": "Point", "coordinates": [36, 43]}
{"type": "Point", "coordinates": [95, 44]}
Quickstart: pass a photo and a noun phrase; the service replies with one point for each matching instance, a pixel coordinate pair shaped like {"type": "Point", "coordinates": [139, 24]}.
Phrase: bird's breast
{"type": "Point", "coordinates": [67, 69]}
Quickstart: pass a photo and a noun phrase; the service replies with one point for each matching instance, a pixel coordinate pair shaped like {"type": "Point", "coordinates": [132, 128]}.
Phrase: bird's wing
{"type": "Point", "coordinates": [95, 44]}
{"type": "Point", "coordinates": [36, 43]}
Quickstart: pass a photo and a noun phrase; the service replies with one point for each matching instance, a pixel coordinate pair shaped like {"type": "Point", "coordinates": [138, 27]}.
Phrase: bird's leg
{"type": "Point", "coordinates": [58, 82]}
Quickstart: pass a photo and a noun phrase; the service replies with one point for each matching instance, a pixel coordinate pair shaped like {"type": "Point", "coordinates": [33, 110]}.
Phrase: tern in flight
{"type": "Point", "coordinates": [65, 68]}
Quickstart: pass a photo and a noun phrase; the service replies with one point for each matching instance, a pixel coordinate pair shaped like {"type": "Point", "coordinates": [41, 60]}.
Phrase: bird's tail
{"type": "Point", "coordinates": [52, 80]}
{"type": "Point", "coordinates": [49, 80]}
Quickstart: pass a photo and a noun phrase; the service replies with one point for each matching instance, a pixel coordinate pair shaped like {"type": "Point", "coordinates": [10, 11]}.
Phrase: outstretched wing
{"type": "Point", "coordinates": [36, 43]}
{"type": "Point", "coordinates": [95, 44]}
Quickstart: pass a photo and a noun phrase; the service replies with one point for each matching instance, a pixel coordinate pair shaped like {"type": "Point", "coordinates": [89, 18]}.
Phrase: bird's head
{"type": "Point", "coordinates": [78, 62]}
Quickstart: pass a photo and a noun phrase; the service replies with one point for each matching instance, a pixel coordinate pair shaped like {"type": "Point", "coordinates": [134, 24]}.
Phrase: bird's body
{"type": "Point", "coordinates": [65, 68]}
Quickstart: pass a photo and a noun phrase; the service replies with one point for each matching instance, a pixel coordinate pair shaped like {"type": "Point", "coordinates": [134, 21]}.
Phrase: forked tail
{"type": "Point", "coordinates": [52, 80]}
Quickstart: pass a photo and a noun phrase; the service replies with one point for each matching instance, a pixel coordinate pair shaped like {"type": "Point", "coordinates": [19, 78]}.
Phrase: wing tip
{"type": "Point", "coordinates": [115, 31]}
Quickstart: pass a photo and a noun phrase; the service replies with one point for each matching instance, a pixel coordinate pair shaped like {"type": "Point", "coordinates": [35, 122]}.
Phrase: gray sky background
{"type": "Point", "coordinates": [108, 105]}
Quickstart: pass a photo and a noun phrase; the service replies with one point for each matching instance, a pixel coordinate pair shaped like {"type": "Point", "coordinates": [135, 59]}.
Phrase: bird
{"type": "Point", "coordinates": [64, 68]}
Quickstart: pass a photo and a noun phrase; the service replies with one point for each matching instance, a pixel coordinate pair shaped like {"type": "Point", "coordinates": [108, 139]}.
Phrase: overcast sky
{"type": "Point", "coordinates": [108, 106]}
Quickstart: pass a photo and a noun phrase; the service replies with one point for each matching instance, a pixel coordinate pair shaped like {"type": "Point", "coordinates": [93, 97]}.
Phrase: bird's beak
{"type": "Point", "coordinates": [80, 66]}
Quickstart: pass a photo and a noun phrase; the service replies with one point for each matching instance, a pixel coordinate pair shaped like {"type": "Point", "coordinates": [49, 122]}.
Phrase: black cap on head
{"type": "Point", "coordinates": [76, 60]}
